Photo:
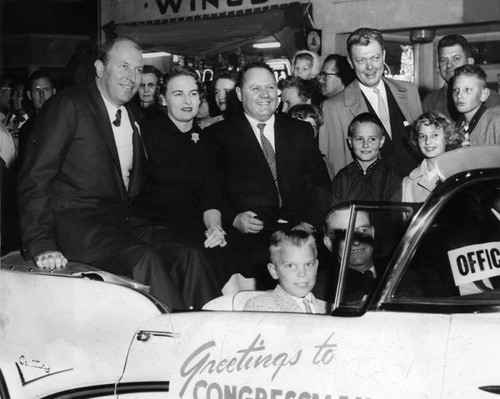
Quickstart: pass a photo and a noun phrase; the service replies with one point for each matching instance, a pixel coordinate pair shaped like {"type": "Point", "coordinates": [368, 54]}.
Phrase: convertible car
{"type": "Point", "coordinates": [426, 328]}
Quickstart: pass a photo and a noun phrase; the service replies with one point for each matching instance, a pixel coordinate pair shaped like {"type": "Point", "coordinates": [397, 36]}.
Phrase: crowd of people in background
{"type": "Point", "coordinates": [181, 185]}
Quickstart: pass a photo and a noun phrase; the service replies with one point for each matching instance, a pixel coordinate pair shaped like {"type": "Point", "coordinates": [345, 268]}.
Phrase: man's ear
{"type": "Point", "coordinates": [238, 93]}
{"type": "Point", "coordinates": [272, 271]}
{"type": "Point", "coordinates": [99, 68]}
{"type": "Point", "coordinates": [328, 243]}
{"type": "Point", "coordinates": [485, 93]}
{"type": "Point", "coordinates": [28, 93]}
{"type": "Point", "coordinates": [350, 62]}
{"type": "Point", "coordinates": [383, 55]}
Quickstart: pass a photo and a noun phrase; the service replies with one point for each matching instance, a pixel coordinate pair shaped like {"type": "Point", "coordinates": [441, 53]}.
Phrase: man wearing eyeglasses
{"type": "Point", "coordinates": [396, 103]}
{"type": "Point", "coordinates": [335, 75]}
{"type": "Point", "coordinates": [148, 89]}
{"type": "Point", "coordinates": [362, 273]}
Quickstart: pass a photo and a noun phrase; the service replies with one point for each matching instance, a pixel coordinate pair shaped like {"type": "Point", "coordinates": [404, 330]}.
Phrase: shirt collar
{"type": "Point", "coordinates": [380, 86]}
{"type": "Point", "coordinates": [254, 122]}
{"type": "Point", "coordinates": [111, 108]}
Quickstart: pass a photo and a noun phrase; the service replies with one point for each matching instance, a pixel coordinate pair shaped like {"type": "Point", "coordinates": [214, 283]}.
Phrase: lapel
{"type": "Point", "coordinates": [104, 124]}
{"type": "Point", "coordinates": [250, 143]}
{"type": "Point", "coordinates": [354, 99]}
{"type": "Point", "coordinates": [399, 93]}
{"type": "Point", "coordinates": [282, 143]}
{"type": "Point", "coordinates": [138, 148]}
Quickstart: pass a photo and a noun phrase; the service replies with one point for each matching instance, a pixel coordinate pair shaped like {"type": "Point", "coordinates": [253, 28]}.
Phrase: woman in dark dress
{"type": "Point", "coordinates": [180, 187]}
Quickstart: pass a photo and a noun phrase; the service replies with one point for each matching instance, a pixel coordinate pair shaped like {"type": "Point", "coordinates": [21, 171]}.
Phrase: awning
{"type": "Point", "coordinates": [213, 35]}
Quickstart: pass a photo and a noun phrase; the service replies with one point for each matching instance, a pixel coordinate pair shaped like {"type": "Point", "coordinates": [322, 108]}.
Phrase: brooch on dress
{"type": "Point", "coordinates": [195, 137]}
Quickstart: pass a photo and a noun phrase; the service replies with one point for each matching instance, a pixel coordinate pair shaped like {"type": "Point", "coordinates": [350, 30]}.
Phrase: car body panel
{"type": "Point", "coordinates": [60, 333]}
{"type": "Point", "coordinates": [263, 354]}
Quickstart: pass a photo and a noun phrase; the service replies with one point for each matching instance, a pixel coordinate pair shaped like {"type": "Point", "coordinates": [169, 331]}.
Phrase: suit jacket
{"type": "Point", "coordinates": [72, 196]}
{"type": "Point", "coordinates": [279, 300]}
{"type": "Point", "coordinates": [339, 111]}
{"type": "Point", "coordinates": [247, 180]}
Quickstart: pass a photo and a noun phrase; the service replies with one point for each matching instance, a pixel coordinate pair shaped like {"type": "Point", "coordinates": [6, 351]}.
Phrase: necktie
{"type": "Point", "coordinates": [383, 113]}
{"type": "Point", "coordinates": [118, 119]}
{"type": "Point", "coordinates": [307, 305]}
{"type": "Point", "coordinates": [267, 148]}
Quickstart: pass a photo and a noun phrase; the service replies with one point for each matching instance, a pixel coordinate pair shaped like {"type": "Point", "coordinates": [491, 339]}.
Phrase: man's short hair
{"type": "Point", "coordinates": [224, 73]}
{"type": "Point", "coordinates": [452, 40]}
{"type": "Point", "coordinates": [343, 206]}
{"type": "Point", "coordinates": [306, 89]}
{"type": "Point", "coordinates": [152, 69]}
{"type": "Point", "coordinates": [103, 54]}
{"type": "Point", "coordinates": [344, 69]}
{"type": "Point", "coordinates": [39, 75]}
{"type": "Point", "coordinates": [363, 37]}
{"type": "Point", "coordinates": [253, 65]}
{"type": "Point", "coordinates": [365, 117]}
{"type": "Point", "coordinates": [295, 238]}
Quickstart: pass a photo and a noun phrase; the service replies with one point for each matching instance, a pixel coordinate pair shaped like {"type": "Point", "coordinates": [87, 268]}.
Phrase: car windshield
{"type": "Point", "coordinates": [363, 239]}
{"type": "Point", "coordinates": [458, 257]}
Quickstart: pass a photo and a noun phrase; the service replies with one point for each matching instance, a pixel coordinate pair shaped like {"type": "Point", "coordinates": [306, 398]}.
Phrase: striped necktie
{"type": "Point", "coordinates": [267, 148]}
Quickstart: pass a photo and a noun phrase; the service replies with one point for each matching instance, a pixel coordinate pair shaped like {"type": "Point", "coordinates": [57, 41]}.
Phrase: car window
{"type": "Point", "coordinates": [373, 236]}
{"type": "Point", "coordinates": [458, 257]}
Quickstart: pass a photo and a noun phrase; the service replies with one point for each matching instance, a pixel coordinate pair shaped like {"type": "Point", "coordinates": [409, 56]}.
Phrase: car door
{"type": "Point", "coordinates": [452, 267]}
{"type": "Point", "coordinates": [282, 355]}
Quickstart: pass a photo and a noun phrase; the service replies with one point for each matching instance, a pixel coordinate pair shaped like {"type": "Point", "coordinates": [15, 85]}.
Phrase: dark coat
{"type": "Point", "coordinates": [303, 179]}
{"type": "Point", "coordinates": [72, 196]}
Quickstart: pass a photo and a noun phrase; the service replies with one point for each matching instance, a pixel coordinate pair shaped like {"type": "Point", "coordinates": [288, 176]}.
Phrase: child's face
{"type": "Point", "coordinates": [296, 270]}
{"type": "Point", "coordinates": [468, 94]}
{"type": "Point", "coordinates": [366, 142]}
{"type": "Point", "coordinates": [431, 140]}
{"type": "Point", "coordinates": [302, 69]}
{"type": "Point", "coordinates": [290, 97]}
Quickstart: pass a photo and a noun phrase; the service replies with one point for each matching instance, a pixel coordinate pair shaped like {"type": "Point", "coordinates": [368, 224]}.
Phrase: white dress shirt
{"type": "Point", "coordinates": [268, 130]}
{"type": "Point", "coordinates": [123, 140]}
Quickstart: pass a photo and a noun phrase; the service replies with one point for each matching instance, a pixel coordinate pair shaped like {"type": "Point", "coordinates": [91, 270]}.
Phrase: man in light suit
{"type": "Point", "coordinates": [398, 106]}
{"type": "Point", "coordinates": [81, 171]}
{"type": "Point", "coordinates": [273, 173]}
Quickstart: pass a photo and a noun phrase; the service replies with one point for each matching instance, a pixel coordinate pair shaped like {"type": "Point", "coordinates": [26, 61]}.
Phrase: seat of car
{"type": "Point", "coordinates": [231, 302]}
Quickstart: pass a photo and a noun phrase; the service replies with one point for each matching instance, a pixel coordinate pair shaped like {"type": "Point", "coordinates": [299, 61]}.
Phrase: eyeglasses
{"type": "Point", "coordinates": [323, 75]}
{"type": "Point", "coordinates": [359, 232]}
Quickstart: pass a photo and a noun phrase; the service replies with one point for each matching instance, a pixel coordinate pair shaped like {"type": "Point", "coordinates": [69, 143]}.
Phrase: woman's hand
{"type": "Point", "coordinates": [215, 237]}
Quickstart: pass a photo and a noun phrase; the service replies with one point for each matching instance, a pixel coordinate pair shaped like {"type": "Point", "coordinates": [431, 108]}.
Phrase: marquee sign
{"type": "Point", "coordinates": [160, 10]}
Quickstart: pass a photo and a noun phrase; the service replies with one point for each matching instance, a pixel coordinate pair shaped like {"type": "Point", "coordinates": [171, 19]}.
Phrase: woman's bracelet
{"type": "Point", "coordinates": [213, 229]}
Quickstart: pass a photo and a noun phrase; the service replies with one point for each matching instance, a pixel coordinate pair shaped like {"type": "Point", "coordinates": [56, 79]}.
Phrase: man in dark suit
{"type": "Point", "coordinates": [362, 273]}
{"type": "Point", "coordinates": [82, 169]}
{"type": "Point", "coordinates": [273, 172]}
{"type": "Point", "coordinates": [394, 102]}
